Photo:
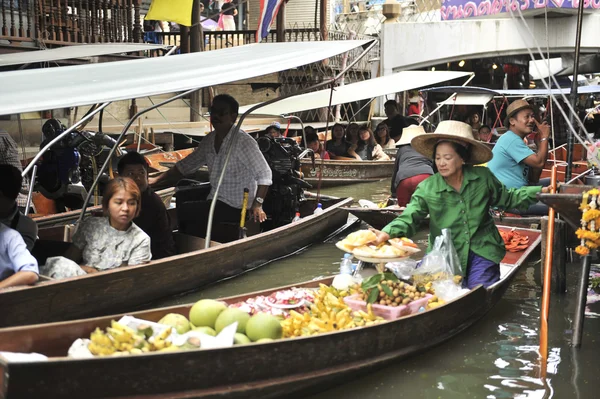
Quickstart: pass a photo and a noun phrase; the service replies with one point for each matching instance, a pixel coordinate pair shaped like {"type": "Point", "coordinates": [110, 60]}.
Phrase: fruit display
{"type": "Point", "coordinates": [328, 313]}
{"type": "Point", "coordinates": [278, 303]}
{"type": "Point", "coordinates": [385, 289]}
{"type": "Point", "coordinates": [434, 302]}
{"type": "Point", "coordinates": [119, 339]}
{"type": "Point", "coordinates": [425, 278]}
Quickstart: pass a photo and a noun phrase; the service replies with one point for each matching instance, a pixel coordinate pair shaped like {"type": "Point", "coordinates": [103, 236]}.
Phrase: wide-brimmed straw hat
{"type": "Point", "coordinates": [458, 132]}
{"type": "Point", "coordinates": [516, 106]}
{"type": "Point", "coordinates": [409, 133]}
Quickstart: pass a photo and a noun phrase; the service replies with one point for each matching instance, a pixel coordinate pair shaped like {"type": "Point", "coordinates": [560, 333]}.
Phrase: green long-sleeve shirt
{"type": "Point", "coordinates": [466, 214]}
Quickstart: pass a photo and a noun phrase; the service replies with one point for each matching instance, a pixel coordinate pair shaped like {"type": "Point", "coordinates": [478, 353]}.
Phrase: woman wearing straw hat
{"type": "Point", "coordinates": [411, 167]}
{"type": "Point", "coordinates": [458, 197]}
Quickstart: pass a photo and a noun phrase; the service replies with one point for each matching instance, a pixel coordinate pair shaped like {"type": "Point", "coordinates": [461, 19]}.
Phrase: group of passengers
{"type": "Point", "coordinates": [134, 229]}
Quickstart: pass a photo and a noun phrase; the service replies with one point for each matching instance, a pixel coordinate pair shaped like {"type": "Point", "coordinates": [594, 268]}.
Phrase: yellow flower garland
{"type": "Point", "coordinates": [590, 222]}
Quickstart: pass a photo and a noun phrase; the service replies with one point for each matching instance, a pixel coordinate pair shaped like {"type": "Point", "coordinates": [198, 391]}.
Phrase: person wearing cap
{"type": "Point", "coordinates": [273, 130]}
{"type": "Point", "coordinates": [513, 159]}
{"type": "Point", "coordinates": [411, 168]}
{"type": "Point", "coordinates": [458, 197]}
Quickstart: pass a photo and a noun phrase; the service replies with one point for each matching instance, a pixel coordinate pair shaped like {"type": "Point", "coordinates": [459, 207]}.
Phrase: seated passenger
{"type": "Point", "coordinates": [17, 265]}
{"type": "Point", "coordinates": [411, 167]}
{"type": "Point", "coordinates": [10, 216]}
{"type": "Point", "coordinates": [153, 217]}
{"type": "Point", "coordinates": [485, 134]}
{"type": "Point", "coordinates": [383, 138]}
{"type": "Point", "coordinates": [338, 146]}
{"type": "Point", "coordinates": [352, 133]}
{"type": "Point", "coordinates": [103, 243]}
{"type": "Point", "coordinates": [315, 144]}
{"type": "Point", "coordinates": [367, 148]}
{"type": "Point", "coordinates": [274, 130]}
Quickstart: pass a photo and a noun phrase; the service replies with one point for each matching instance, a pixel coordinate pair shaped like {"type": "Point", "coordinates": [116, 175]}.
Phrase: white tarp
{"type": "Point", "coordinates": [544, 92]}
{"type": "Point", "coordinates": [468, 99]}
{"type": "Point", "coordinates": [397, 82]}
{"type": "Point", "coordinates": [51, 88]}
{"type": "Point", "coordinates": [78, 51]}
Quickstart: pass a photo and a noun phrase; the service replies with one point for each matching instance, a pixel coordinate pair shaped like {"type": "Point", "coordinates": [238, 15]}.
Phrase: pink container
{"type": "Point", "coordinates": [387, 312]}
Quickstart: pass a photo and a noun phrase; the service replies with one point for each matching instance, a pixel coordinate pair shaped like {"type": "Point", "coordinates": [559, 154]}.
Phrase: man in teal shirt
{"type": "Point", "coordinates": [512, 157]}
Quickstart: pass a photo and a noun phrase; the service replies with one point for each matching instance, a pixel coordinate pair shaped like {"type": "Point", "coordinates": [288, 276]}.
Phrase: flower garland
{"type": "Point", "coordinates": [589, 233]}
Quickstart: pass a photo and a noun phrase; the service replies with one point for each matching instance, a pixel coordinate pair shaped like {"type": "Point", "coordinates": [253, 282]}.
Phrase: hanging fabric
{"type": "Point", "coordinates": [179, 11]}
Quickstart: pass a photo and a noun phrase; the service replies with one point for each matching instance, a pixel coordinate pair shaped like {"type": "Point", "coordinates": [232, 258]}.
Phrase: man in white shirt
{"type": "Point", "coordinates": [247, 167]}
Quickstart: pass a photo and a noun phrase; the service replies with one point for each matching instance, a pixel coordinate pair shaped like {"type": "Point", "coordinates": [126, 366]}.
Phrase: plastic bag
{"type": "Point", "coordinates": [441, 263]}
{"type": "Point", "coordinates": [447, 290]}
{"type": "Point", "coordinates": [403, 269]}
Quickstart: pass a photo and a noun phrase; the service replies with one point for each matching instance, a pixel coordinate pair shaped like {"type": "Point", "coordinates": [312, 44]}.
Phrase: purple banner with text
{"type": "Point", "coordinates": [459, 9]}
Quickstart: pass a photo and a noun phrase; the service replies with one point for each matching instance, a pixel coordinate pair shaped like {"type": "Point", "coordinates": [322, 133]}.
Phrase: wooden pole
{"type": "Point", "coordinates": [281, 23]}
{"type": "Point", "coordinates": [184, 41]}
{"type": "Point", "coordinates": [196, 45]}
{"type": "Point", "coordinates": [323, 20]}
{"type": "Point", "coordinates": [547, 282]}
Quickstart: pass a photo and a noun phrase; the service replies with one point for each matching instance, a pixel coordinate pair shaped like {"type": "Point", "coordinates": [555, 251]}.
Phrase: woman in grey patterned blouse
{"type": "Point", "coordinates": [108, 242]}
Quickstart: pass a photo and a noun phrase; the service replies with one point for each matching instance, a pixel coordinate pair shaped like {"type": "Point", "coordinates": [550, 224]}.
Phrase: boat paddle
{"type": "Point", "coordinates": [243, 218]}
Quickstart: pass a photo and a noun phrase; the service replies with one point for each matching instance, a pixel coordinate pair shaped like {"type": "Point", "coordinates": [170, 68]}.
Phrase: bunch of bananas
{"type": "Point", "coordinates": [328, 313]}
{"type": "Point", "coordinates": [120, 340]}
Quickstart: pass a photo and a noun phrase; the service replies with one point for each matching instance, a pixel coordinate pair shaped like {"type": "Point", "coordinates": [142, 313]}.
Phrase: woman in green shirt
{"type": "Point", "coordinates": [458, 197]}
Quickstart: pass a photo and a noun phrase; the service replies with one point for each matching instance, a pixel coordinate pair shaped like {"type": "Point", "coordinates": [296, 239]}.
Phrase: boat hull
{"type": "Point", "coordinates": [125, 288]}
{"type": "Point", "coordinates": [278, 369]}
{"type": "Point", "coordinates": [340, 173]}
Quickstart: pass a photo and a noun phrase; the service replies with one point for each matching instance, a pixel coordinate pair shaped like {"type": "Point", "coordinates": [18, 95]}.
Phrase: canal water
{"type": "Point", "coordinates": [496, 358]}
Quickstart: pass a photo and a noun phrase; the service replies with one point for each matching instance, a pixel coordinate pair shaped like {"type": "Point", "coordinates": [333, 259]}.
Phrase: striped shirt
{"type": "Point", "coordinates": [247, 167]}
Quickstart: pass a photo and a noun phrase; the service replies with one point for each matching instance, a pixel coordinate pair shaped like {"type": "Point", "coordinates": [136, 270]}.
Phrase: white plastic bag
{"type": "Point", "coordinates": [441, 263]}
{"type": "Point", "coordinates": [447, 290]}
{"type": "Point", "coordinates": [403, 269]}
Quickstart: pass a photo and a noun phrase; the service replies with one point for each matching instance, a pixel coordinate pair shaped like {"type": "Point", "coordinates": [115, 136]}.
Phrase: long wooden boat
{"type": "Point", "coordinates": [126, 287]}
{"type": "Point", "coordinates": [379, 218]}
{"type": "Point", "coordinates": [340, 173]}
{"type": "Point", "coordinates": [61, 219]}
{"type": "Point", "coordinates": [282, 368]}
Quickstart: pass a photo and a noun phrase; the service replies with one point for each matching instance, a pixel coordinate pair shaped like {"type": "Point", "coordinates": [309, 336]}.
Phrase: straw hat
{"type": "Point", "coordinates": [455, 131]}
{"type": "Point", "coordinates": [409, 133]}
{"type": "Point", "coordinates": [516, 106]}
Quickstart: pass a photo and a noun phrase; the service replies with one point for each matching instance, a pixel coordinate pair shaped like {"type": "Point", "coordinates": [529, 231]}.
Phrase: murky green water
{"type": "Point", "coordinates": [496, 358]}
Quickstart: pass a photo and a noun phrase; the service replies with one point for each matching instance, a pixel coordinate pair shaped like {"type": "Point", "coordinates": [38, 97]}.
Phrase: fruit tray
{"type": "Point", "coordinates": [388, 312]}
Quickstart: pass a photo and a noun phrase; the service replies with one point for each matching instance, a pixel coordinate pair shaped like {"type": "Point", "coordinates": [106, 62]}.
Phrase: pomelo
{"type": "Point", "coordinates": [230, 316]}
{"type": "Point", "coordinates": [205, 330]}
{"type": "Point", "coordinates": [264, 340]}
{"type": "Point", "coordinates": [177, 321]}
{"type": "Point", "coordinates": [204, 313]}
{"type": "Point", "coordinates": [241, 339]}
{"type": "Point", "coordinates": [263, 325]}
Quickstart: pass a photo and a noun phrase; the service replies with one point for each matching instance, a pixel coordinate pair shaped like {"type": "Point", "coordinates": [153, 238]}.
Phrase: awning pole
{"type": "Point", "coordinates": [547, 280]}
{"type": "Point", "coordinates": [570, 140]}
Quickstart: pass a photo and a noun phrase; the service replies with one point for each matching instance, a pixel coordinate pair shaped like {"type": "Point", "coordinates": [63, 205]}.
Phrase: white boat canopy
{"type": "Point", "coordinates": [468, 99]}
{"type": "Point", "coordinates": [376, 87]}
{"type": "Point", "coordinates": [52, 88]}
{"type": "Point", "coordinates": [78, 51]}
{"type": "Point", "coordinates": [544, 92]}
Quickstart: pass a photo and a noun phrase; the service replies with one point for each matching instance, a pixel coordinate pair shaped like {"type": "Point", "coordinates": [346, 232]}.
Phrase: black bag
{"type": "Point", "coordinates": [149, 25]}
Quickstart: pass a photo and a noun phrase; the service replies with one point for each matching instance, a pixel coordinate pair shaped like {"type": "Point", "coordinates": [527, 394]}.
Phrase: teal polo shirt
{"type": "Point", "coordinates": [507, 164]}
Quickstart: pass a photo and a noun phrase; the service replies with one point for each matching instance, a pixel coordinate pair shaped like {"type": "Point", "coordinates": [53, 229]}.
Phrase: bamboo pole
{"type": "Point", "coordinates": [547, 281]}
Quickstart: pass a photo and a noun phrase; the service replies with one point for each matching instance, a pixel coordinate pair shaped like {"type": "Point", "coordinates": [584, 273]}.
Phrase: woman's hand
{"type": "Point", "coordinates": [546, 190]}
{"type": "Point", "coordinates": [381, 237]}
{"type": "Point", "coordinates": [89, 269]}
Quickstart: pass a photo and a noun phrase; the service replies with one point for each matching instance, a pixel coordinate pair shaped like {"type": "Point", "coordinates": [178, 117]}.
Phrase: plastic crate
{"type": "Point", "coordinates": [388, 312]}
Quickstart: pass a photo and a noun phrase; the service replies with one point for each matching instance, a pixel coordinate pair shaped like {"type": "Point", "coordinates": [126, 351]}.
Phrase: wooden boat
{"type": "Point", "coordinates": [126, 287]}
{"type": "Point", "coordinates": [340, 173]}
{"type": "Point", "coordinates": [379, 218]}
{"type": "Point", "coordinates": [276, 369]}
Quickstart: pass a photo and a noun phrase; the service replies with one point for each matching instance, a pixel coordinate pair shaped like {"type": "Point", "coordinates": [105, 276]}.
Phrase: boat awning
{"type": "Point", "coordinates": [52, 88]}
{"type": "Point", "coordinates": [544, 92]}
{"type": "Point", "coordinates": [468, 99]}
{"type": "Point", "coordinates": [376, 87]}
{"type": "Point", "coordinates": [69, 52]}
